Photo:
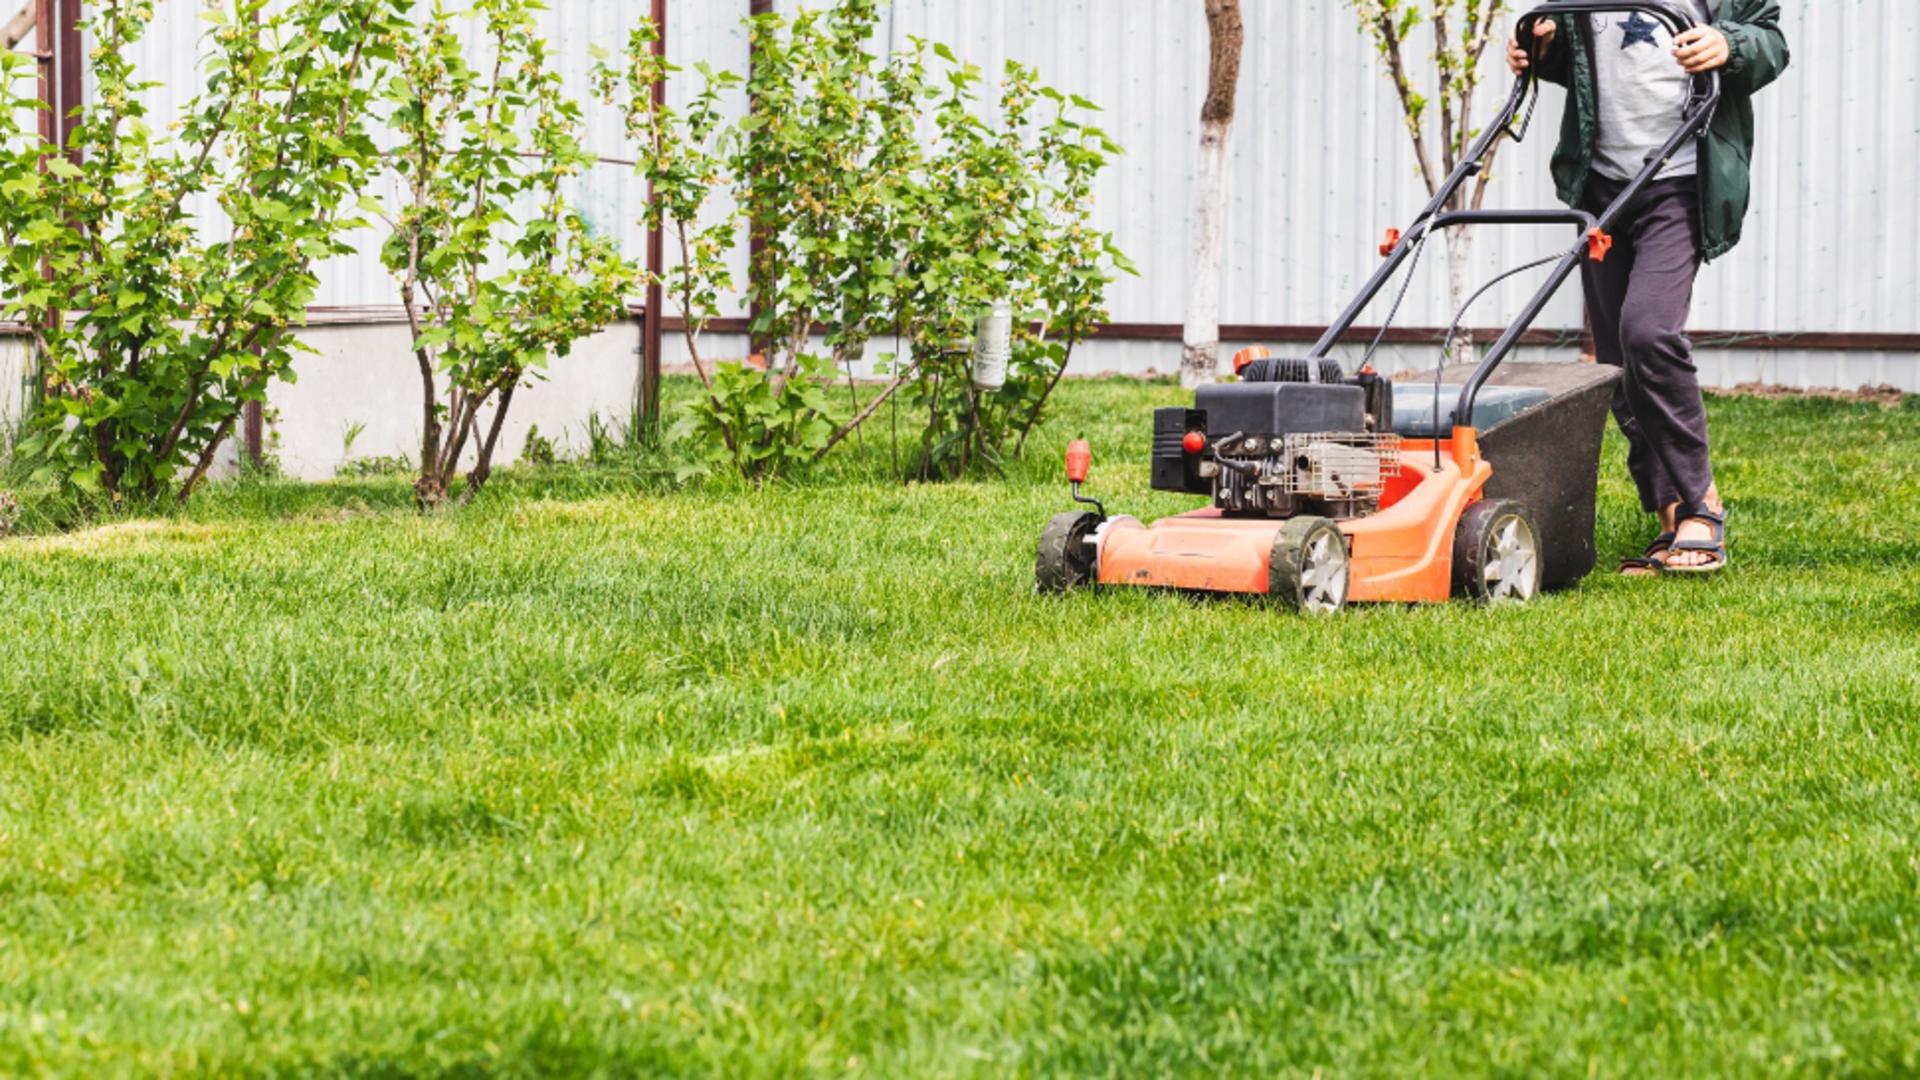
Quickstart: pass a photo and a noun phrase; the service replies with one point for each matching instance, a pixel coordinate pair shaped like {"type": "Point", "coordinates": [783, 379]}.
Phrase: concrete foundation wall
{"type": "Point", "coordinates": [16, 369]}
{"type": "Point", "coordinates": [1800, 369]}
{"type": "Point", "coordinates": [363, 374]}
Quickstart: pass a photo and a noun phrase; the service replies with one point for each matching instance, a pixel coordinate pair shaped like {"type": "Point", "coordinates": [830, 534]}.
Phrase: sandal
{"type": "Point", "coordinates": [1651, 561]}
{"type": "Point", "coordinates": [1716, 547]}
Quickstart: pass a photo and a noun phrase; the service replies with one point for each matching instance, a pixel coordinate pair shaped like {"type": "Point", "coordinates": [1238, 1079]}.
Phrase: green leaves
{"type": "Point", "coordinates": [483, 147]}
{"type": "Point", "coordinates": [759, 423]}
{"type": "Point", "coordinates": [879, 204]}
{"type": "Point", "coordinates": [171, 327]}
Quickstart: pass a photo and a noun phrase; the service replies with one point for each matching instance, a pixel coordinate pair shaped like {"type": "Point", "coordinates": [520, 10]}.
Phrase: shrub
{"type": "Point", "coordinates": [539, 450]}
{"type": "Point", "coordinates": [1007, 218]}
{"type": "Point", "coordinates": [492, 300]}
{"type": "Point", "coordinates": [864, 228]}
{"type": "Point", "coordinates": [153, 328]}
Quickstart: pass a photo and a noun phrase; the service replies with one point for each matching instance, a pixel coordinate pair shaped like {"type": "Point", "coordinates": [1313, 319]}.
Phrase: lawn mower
{"type": "Point", "coordinates": [1328, 488]}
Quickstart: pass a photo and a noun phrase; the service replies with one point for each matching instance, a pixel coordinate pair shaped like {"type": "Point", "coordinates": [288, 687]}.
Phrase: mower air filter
{"type": "Point", "coordinates": [1290, 370]}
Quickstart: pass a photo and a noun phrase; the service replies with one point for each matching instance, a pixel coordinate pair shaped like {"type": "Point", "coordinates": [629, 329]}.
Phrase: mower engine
{"type": "Point", "coordinates": [1276, 445]}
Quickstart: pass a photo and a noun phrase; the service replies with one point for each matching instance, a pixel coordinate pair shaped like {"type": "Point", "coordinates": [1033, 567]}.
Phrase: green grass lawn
{"type": "Point", "coordinates": [600, 777]}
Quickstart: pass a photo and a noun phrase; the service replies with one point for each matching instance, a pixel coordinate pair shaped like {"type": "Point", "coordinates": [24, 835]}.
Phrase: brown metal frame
{"type": "Point", "coordinates": [43, 51]}
{"type": "Point", "coordinates": [1282, 334]}
{"type": "Point", "coordinates": [62, 67]}
{"type": "Point", "coordinates": [1267, 334]}
{"type": "Point", "coordinates": [651, 324]}
{"type": "Point", "coordinates": [57, 48]}
{"type": "Point", "coordinates": [756, 237]}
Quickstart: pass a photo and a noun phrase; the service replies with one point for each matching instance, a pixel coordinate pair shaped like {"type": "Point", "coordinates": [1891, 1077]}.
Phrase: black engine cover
{"type": "Point", "coordinates": [1268, 409]}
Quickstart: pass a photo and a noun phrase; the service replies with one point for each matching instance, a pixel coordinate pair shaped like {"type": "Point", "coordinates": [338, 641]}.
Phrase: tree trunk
{"type": "Point", "coordinates": [1459, 287]}
{"type": "Point", "coordinates": [483, 466]}
{"type": "Point", "coordinates": [17, 28]}
{"type": "Point", "coordinates": [1201, 358]}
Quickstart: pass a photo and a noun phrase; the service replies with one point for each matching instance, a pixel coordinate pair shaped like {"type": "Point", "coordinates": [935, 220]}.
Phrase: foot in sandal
{"type": "Point", "coordinates": [1650, 562]}
{"type": "Point", "coordinates": [1700, 545]}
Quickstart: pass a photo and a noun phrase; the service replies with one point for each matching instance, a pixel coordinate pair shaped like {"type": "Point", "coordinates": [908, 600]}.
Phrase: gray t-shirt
{"type": "Point", "coordinates": [1643, 96]}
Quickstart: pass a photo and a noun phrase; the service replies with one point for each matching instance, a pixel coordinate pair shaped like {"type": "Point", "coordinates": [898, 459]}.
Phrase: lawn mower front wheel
{"type": "Point", "coordinates": [1496, 553]}
{"type": "Point", "coordinates": [1064, 561]}
{"type": "Point", "coordinates": [1309, 569]}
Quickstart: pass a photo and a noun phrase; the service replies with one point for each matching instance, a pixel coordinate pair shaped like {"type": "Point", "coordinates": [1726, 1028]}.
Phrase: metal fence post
{"type": "Point", "coordinates": [651, 319]}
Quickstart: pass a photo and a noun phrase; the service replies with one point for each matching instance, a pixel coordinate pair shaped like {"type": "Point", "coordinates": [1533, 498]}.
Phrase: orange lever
{"type": "Point", "coordinates": [1598, 244]}
{"type": "Point", "coordinates": [1248, 355]}
{"type": "Point", "coordinates": [1393, 241]}
{"type": "Point", "coordinates": [1079, 460]}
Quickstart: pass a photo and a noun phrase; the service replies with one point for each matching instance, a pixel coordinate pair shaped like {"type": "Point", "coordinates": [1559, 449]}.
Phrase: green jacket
{"type": "Point", "coordinates": [1760, 54]}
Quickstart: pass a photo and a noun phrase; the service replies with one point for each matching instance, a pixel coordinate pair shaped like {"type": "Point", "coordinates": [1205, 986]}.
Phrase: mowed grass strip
{"type": "Point", "coordinates": [602, 777]}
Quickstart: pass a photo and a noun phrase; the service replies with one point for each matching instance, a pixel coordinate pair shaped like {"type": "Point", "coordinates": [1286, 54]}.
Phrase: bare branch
{"type": "Point", "coordinates": [17, 28]}
{"type": "Point", "coordinates": [1390, 41]}
{"type": "Point", "coordinates": [873, 406]}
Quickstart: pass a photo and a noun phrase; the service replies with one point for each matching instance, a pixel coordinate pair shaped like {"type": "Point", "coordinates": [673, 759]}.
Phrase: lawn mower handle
{"type": "Point", "coordinates": [1700, 109]}
{"type": "Point", "coordinates": [1676, 15]}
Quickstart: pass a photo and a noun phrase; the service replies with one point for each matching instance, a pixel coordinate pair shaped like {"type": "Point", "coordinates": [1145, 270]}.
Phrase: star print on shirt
{"type": "Point", "coordinates": [1639, 28]}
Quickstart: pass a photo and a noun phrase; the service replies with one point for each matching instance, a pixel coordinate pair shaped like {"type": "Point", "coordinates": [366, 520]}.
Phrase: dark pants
{"type": "Point", "coordinates": [1639, 299]}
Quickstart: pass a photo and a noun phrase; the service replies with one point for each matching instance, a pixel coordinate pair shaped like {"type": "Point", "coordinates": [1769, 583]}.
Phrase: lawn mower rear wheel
{"type": "Point", "coordinates": [1496, 553]}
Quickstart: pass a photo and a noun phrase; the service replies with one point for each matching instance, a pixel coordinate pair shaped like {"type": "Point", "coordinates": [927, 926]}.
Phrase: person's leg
{"type": "Point", "coordinates": [1606, 285]}
{"type": "Point", "coordinates": [1662, 385]}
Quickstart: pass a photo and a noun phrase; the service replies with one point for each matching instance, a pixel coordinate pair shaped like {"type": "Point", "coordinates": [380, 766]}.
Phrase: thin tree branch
{"type": "Point", "coordinates": [865, 414]}
{"type": "Point", "coordinates": [1390, 38]}
{"type": "Point", "coordinates": [1447, 76]}
{"type": "Point", "coordinates": [1033, 417]}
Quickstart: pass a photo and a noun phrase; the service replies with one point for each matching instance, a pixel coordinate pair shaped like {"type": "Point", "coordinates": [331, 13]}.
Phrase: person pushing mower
{"type": "Point", "coordinates": [1628, 78]}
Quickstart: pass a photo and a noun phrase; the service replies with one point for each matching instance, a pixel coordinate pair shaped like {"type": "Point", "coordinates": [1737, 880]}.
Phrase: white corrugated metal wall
{"type": "Point", "coordinates": [1321, 164]}
{"type": "Point", "coordinates": [610, 197]}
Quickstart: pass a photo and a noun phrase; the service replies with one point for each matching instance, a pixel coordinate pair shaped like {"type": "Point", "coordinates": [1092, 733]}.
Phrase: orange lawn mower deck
{"type": "Point", "coordinates": [1405, 552]}
{"type": "Point", "coordinates": [1326, 490]}
{"type": "Point", "coordinates": [1434, 536]}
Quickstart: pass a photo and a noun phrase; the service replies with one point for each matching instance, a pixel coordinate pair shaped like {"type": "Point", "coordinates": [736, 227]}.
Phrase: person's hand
{"type": "Point", "coordinates": [1702, 49]}
{"type": "Point", "coordinates": [1543, 31]}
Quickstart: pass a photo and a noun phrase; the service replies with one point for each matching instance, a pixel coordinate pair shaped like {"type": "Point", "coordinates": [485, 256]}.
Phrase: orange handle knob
{"type": "Point", "coordinates": [1598, 245]}
{"type": "Point", "coordinates": [1079, 460]}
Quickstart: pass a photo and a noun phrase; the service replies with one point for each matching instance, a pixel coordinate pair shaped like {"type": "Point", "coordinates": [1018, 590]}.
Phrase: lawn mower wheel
{"type": "Point", "coordinates": [1496, 553]}
{"type": "Point", "coordinates": [1064, 562]}
{"type": "Point", "coordinates": [1309, 569]}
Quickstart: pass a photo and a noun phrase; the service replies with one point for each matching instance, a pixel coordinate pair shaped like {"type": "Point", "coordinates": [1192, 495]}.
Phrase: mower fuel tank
{"type": "Point", "coordinates": [1268, 409]}
{"type": "Point", "coordinates": [1496, 404]}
